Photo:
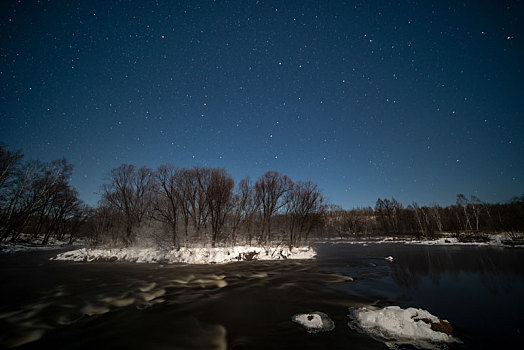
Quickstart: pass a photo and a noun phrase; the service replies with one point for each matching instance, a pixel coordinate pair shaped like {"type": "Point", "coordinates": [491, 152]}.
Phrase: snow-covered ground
{"type": "Point", "coordinates": [395, 326]}
{"type": "Point", "coordinates": [496, 240]}
{"type": "Point", "coordinates": [189, 255]}
{"type": "Point", "coordinates": [28, 243]}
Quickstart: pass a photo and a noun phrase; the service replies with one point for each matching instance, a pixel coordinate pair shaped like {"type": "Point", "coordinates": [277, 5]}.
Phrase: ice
{"type": "Point", "coordinates": [189, 255]}
{"type": "Point", "coordinates": [314, 322]}
{"type": "Point", "coordinates": [395, 326]}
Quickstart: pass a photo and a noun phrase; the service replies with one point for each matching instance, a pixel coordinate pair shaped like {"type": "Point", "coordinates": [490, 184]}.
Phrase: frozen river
{"type": "Point", "coordinates": [249, 305]}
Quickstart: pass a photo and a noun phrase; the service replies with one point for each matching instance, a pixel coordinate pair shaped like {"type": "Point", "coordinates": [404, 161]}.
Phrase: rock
{"type": "Point", "coordinates": [249, 256]}
{"type": "Point", "coordinates": [443, 327]}
{"type": "Point", "coordinates": [440, 326]}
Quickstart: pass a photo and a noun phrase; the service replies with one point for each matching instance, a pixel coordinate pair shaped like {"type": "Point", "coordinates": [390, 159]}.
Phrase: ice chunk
{"type": "Point", "coordinates": [395, 326]}
{"type": "Point", "coordinates": [314, 322]}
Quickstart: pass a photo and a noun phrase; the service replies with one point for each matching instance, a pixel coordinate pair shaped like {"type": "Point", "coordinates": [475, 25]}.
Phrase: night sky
{"type": "Point", "coordinates": [419, 100]}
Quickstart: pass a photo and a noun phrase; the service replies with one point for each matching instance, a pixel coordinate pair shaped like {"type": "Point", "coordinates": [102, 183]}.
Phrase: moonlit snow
{"type": "Point", "coordinates": [395, 326]}
{"type": "Point", "coordinates": [189, 255]}
{"type": "Point", "coordinates": [314, 322]}
{"type": "Point", "coordinates": [446, 239]}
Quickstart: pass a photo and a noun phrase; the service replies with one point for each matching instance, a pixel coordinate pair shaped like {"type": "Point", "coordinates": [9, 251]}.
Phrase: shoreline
{"type": "Point", "coordinates": [207, 255]}
{"type": "Point", "coordinates": [502, 240]}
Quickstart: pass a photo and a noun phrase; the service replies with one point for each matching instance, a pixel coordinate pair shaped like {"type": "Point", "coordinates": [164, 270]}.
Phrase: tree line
{"type": "Point", "coordinates": [178, 207]}
{"type": "Point", "coordinates": [389, 217]}
{"type": "Point", "coordinates": [36, 199]}
{"type": "Point", "coordinates": [202, 205]}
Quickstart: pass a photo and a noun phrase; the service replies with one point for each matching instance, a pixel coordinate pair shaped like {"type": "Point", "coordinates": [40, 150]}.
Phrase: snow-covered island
{"type": "Point", "coordinates": [189, 255]}
{"type": "Point", "coordinates": [395, 326]}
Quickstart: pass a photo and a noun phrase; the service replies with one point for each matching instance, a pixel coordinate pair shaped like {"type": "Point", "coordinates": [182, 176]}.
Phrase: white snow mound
{"type": "Point", "coordinates": [188, 255]}
{"type": "Point", "coordinates": [395, 326]}
{"type": "Point", "coordinates": [314, 322]}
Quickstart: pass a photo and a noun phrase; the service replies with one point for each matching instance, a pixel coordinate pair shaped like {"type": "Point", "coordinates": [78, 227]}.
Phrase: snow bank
{"type": "Point", "coordinates": [493, 240]}
{"type": "Point", "coordinates": [188, 255]}
{"type": "Point", "coordinates": [314, 322]}
{"type": "Point", "coordinates": [28, 243]}
{"type": "Point", "coordinates": [395, 326]}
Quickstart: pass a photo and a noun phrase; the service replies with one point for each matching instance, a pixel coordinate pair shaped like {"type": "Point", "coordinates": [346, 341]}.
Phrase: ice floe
{"type": "Point", "coordinates": [314, 322]}
{"type": "Point", "coordinates": [395, 326]}
{"type": "Point", "coordinates": [188, 255]}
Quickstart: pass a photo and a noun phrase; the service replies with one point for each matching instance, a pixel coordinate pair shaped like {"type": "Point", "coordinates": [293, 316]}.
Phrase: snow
{"type": "Point", "coordinates": [314, 322]}
{"type": "Point", "coordinates": [28, 243]}
{"type": "Point", "coordinates": [493, 240]}
{"type": "Point", "coordinates": [394, 326]}
{"type": "Point", "coordinates": [188, 255]}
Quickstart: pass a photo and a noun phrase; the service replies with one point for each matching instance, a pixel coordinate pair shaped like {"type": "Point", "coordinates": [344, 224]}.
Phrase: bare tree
{"type": "Point", "coordinates": [245, 205]}
{"type": "Point", "coordinates": [419, 217]}
{"type": "Point", "coordinates": [9, 164]}
{"type": "Point", "coordinates": [186, 191]}
{"type": "Point", "coordinates": [219, 194]}
{"type": "Point", "coordinates": [130, 192]}
{"type": "Point", "coordinates": [16, 204]}
{"type": "Point", "coordinates": [167, 200]}
{"type": "Point", "coordinates": [476, 208]}
{"type": "Point", "coordinates": [434, 212]}
{"type": "Point", "coordinates": [388, 214]}
{"type": "Point", "coordinates": [192, 187]}
{"type": "Point", "coordinates": [65, 206]}
{"type": "Point", "coordinates": [270, 189]}
{"type": "Point", "coordinates": [303, 203]}
{"type": "Point", "coordinates": [462, 203]}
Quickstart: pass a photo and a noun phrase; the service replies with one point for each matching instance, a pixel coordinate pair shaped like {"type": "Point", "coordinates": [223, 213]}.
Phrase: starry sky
{"type": "Point", "coordinates": [419, 100]}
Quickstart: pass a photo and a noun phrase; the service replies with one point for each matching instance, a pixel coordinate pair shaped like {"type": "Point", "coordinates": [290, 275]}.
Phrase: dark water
{"type": "Point", "coordinates": [67, 305]}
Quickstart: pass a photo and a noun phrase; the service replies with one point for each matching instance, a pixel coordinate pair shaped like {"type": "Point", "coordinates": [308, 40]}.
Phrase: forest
{"type": "Point", "coordinates": [181, 207]}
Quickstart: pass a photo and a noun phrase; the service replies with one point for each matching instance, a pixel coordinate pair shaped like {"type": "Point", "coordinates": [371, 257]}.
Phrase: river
{"type": "Point", "coordinates": [249, 305]}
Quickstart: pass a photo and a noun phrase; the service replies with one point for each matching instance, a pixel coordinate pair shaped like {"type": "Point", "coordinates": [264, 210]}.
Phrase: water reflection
{"type": "Point", "coordinates": [496, 268]}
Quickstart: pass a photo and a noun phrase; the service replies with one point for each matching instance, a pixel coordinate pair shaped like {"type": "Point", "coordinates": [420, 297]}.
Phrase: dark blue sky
{"type": "Point", "coordinates": [419, 100]}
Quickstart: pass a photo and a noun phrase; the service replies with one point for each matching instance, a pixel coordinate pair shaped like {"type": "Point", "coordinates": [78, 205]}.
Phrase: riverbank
{"type": "Point", "coordinates": [29, 243]}
{"type": "Point", "coordinates": [496, 240]}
